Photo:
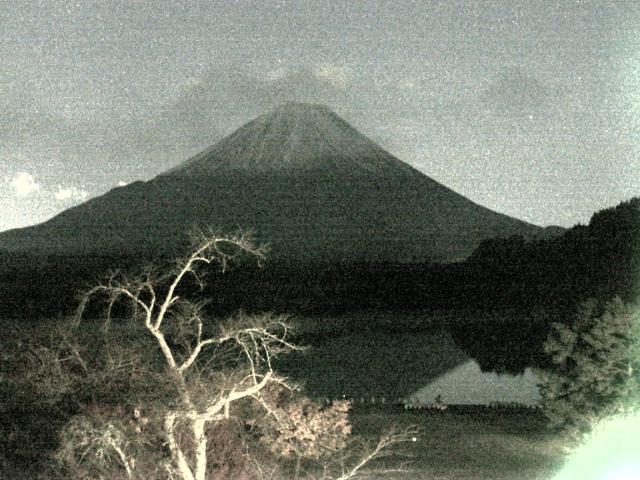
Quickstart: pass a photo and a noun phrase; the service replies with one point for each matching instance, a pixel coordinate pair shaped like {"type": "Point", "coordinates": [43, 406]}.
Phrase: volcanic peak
{"type": "Point", "coordinates": [294, 137]}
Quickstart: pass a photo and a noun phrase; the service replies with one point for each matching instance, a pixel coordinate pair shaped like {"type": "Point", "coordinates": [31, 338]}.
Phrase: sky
{"type": "Point", "coordinates": [529, 108]}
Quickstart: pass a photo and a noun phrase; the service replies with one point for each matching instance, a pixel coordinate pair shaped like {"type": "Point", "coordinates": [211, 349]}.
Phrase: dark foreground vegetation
{"type": "Point", "coordinates": [453, 444]}
{"type": "Point", "coordinates": [550, 303]}
{"type": "Point", "coordinates": [515, 289]}
{"type": "Point", "coordinates": [168, 391]}
{"type": "Point", "coordinates": [450, 445]}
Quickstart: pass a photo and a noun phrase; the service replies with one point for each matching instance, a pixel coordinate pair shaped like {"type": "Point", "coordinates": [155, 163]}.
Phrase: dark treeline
{"type": "Point", "coordinates": [598, 260]}
{"type": "Point", "coordinates": [39, 287]}
{"type": "Point", "coordinates": [541, 280]}
{"type": "Point", "coordinates": [545, 280]}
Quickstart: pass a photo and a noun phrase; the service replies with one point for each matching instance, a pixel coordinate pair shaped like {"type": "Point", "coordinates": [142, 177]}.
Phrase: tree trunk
{"type": "Point", "coordinates": [200, 440]}
{"type": "Point", "coordinates": [297, 471]}
{"type": "Point", "coordinates": [176, 453]}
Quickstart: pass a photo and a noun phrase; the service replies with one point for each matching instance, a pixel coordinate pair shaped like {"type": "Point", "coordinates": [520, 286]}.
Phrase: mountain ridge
{"type": "Point", "coordinates": [308, 184]}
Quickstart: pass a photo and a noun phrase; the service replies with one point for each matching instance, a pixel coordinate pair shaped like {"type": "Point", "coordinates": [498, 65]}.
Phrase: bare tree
{"type": "Point", "coordinates": [206, 373]}
{"type": "Point", "coordinates": [190, 345]}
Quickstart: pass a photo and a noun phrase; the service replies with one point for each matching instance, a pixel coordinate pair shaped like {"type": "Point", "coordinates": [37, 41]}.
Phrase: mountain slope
{"type": "Point", "coordinates": [304, 180]}
{"type": "Point", "coordinates": [294, 138]}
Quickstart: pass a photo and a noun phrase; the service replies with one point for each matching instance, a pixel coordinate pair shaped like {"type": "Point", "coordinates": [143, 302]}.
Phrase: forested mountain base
{"type": "Point", "coordinates": [514, 289]}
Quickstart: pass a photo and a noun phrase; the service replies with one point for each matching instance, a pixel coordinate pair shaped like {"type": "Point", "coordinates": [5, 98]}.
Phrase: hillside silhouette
{"type": "Point", "coordinates": [305, 181]}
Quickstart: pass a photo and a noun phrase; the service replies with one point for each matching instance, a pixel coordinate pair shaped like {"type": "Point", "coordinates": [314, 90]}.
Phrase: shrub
{"type": "Point", "coordinates": [595, 365]}
{"type": "Point", "coordinates": [298, 427]}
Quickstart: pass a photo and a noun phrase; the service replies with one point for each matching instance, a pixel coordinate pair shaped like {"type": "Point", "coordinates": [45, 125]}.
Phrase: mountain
{"type": "Point", "coordinates": [304, 180]}
{"type": "Point", "coordinates": [294, 138]}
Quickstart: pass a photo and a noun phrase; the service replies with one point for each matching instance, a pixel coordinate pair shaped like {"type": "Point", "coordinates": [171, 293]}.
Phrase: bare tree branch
{"type": "Point", "coordinates": [155, 297]}
{"type": "Point", "coordinates": [384, 447]}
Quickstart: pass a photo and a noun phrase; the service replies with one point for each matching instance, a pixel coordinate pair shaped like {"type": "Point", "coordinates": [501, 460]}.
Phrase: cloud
{"type": "Point", "coordinates": [335, 75]}
{"type": "Point", "coordinates": [406, 84]}
{"type": "Point", "coordinates": [221, 100]}
{"type": "Point", "coordinates": [276, 74]}
{"type": "Point", "coordinates": [70, 193]}
{"type": "Point", "coordinates": [122, 184]}
{"type": "Point", "coordinates": [23, 184]}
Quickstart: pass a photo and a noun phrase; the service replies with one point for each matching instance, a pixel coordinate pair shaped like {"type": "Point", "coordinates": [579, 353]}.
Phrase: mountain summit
{"type": "Point", "coordinates": [294, 137]}
{"type": "Point", "coordinates": [308, 184]}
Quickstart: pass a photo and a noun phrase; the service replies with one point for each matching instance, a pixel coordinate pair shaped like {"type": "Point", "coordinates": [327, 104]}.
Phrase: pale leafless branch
{"type": "Point", "coordinates": [171, 319]}
{"type": "Point", "coordinates": [384, 447]}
